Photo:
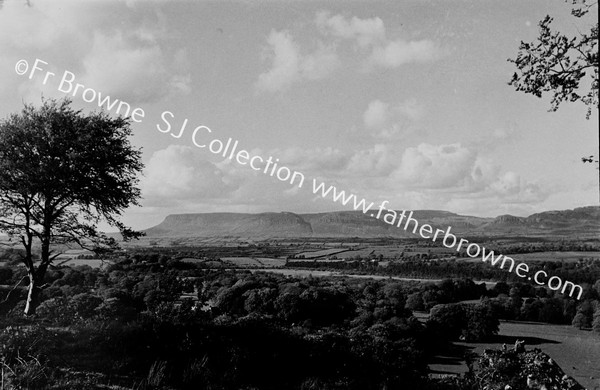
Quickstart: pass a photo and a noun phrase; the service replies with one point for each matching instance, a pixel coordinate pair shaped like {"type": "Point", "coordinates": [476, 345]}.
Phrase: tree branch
{"type": "Point", "coordinates": [14, 288]}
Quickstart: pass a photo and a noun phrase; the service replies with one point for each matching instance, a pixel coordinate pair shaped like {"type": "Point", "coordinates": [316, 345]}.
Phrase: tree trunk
{"type": "Point", "coordinates": [32, 296]}
{"type": "Point", "coordinates": [36, 277]}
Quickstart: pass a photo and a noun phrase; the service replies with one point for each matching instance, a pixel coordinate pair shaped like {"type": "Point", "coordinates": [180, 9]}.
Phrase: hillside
{"type": "Point", "coordinates": [232, 225]}
{"type": "Point", "coordinates": [579, 222]}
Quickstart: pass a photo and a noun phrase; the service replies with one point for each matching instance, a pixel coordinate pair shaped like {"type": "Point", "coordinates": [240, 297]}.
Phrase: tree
{"type": "Point", "coordinates": [560, 65]}
{"type": "Point", "coordinates": [61, 174]}
{"type": "Point", "coordinates": [583, 318]}
{"type": "Point", "coordinates": [448, 319]}
{"type": "Point", "coordinates": [566, 67]}
{"type": "Point", "coordinates": [596, 321]}
{"type": "Point", "coordinates": [415, 302]}
{"type": "Point", "coordinates": [481, 323]}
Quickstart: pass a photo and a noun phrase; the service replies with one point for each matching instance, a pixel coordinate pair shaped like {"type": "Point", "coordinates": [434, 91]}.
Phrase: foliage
{"type": "Point", "coordinates": [482, 322]}
{"type": "Point", "coordinates": [248, 330]}
{"type": "Point", "coordinates": [61, 173]}
{"type": "Point", "coordinates": [415, 301]}
{"type": "Point", "coordinates": [596, 321]}
{"type": "Point", "coordinates": [583, 317]}
{"type": "Point", "coordinates": [521, 371]}
{"type": "Point", "coordinates": [471, 322]}
{"type": "Point", "coordinates": [27, 374]}
{"type": "Point", "coordinates": [559, 64]}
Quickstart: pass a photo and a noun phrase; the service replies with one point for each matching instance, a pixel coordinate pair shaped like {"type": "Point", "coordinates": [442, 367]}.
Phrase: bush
{"type": "Point", "coordinates": [55, 310]}
{"type": "Point", "coordinates": [6, 275]}
{"type": "Point", "coordinates": [25, 374]}
{"type": "Point", "coordinates": [17, 341]}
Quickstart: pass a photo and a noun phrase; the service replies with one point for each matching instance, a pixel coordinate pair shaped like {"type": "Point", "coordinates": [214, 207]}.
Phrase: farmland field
{"type": "Point", "coordinates": [567, 257]}
{"type": "Point", "coordinates": [324, 252]}
{"type": "Point", "coordinates": [304, 273]}
{"type": "Point", "coordinates": [94, 263]}
{"type": "Point", "coordinates": [241, 262]}
{"type": "Point", "coordinates": [254, 262]}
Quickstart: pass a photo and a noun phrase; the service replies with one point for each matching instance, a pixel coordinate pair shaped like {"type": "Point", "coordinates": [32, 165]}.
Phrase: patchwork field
{"type": "Point", "coordinates": [321, 253]}
{"type": "Point", "coordinates": [94, 263]}
{"type": "Point", "coordinates": [240, 262]}
{"type": "Point", "coordinates": [567, 257]}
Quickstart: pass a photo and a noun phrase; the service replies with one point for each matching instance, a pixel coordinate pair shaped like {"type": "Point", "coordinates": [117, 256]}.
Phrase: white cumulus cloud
{"type": "Point", "coordinates": [131, 61]}
{"type": "Point", "coordinates": [179, 174]}
{"type": "Point", "coordinates": [399, 52]}
{"type": "Point", "coordinates": [436, 166]}
{"type": "Point", "coordinates": [289, 66]}
{"type": "Point", "coordinates": [370, 35]}
{"type": "Point", "coordinates": [366, 32]}
{"type": "Point", "coordinates": [377, 114]}
{"type": "Point", "coordinates": [122, 66]}
{"type": "Point", "coordinates": [386, 120]}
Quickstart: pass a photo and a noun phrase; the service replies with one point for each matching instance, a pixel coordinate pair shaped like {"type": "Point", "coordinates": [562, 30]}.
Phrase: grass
{"type": "Point", "coordinates": [241, 262]}
{"type": "Point", "coordinates": [567, 257]}
{"type": "Point", "coordinates": [576, 351]}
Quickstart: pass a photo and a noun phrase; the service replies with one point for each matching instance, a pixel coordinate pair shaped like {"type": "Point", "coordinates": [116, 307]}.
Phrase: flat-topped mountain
{"type": "Point", "coordinates": [232, 225]}
{"type": "Point", "coordinates": [580, 222]}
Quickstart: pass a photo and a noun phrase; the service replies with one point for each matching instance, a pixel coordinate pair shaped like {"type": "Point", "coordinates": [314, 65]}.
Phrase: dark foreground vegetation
{"type": "Point", "coordinates": [150, 321]}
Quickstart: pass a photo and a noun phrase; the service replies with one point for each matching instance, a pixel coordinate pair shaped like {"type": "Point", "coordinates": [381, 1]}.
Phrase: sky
{"type": "Point", "coordinates": [404, 101]}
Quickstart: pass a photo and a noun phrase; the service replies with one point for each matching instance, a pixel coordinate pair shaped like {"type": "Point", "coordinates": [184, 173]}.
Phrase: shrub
{"type": "Point", "coordinates": [25, 374]}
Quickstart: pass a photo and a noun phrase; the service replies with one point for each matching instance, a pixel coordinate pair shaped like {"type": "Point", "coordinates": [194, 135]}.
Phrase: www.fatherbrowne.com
{"type": "Point", "coordinates": [283, 173]}
{"type": "Point", "coordinates": [449, 240]}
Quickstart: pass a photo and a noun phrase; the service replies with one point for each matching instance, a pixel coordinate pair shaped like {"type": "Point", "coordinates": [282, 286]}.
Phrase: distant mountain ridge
{"type": "Point", "coordinates": [581, 222]}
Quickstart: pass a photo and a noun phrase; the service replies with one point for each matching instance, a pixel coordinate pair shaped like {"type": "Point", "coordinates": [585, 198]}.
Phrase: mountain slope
{"type": "Point", "coordinates": [582, 221]}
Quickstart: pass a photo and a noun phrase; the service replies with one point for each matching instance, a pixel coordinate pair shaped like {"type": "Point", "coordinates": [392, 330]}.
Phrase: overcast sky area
{"type": "Point", "coordinates": [405, 101]}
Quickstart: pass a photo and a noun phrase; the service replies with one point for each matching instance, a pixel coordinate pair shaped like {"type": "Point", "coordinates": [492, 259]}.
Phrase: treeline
{"type": "Point", "coordinates": [165, 324]}
{"type": "Point", "coordinates": [512, 298]}
{"type": "Point", "coordinates": [154, 322]}
{"type": "Point", "coordinates": [581, 271]}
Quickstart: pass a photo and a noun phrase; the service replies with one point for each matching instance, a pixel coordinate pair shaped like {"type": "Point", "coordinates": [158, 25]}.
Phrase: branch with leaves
{"type": "Point", "coordinates": [565, 67]}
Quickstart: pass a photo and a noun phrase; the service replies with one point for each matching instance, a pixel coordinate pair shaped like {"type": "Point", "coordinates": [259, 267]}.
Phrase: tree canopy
{"type": "Point", "coordinates": [62, 172]}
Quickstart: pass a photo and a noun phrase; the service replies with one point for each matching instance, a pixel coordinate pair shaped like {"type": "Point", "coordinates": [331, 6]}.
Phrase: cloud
{"type": "Point", "coordinates": [379, 160]}
{"type": "Point", "coordinates": [401, 52]}
{"type": "Point", "coordinates": [369, 34]}
{"type": "Point", "coordinates": [178, 174]}
{"type": "Point", "coordinates": [289, 66]}
{"type": "Point", "coordinates": [411, 109]}
{"type": "Point", "coordinates": [366, 32]}
{"type": "Point", "coordinates": [388, 121]}
{"type": "Point", "coordinates": [513, 189]}
{"type": "Point", "coordinates": [319, 64]}
{"type": "Point", "coordinates": [435, 166]}
{"type": "Point", "coordinates": [109, 53]}
{"type": "Point", "coordinates": [377, 114]}
{"type": "Point", "coordinates": [446, 176]}
{"type": "Point", "coordinates": [30, 31]}
{"type": "Point", "coordinates": [452, 174]}
{"type": "Point", "coordinates": [37, 25]}
{"type": "Point", "coordinates": [286, 59]}
{"type": "Point", "coordinates": [314, 160]}
{"type": "Point", "coordinates": [368, 37]}
{"type": "Point", "coordinates": [121, 65]}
